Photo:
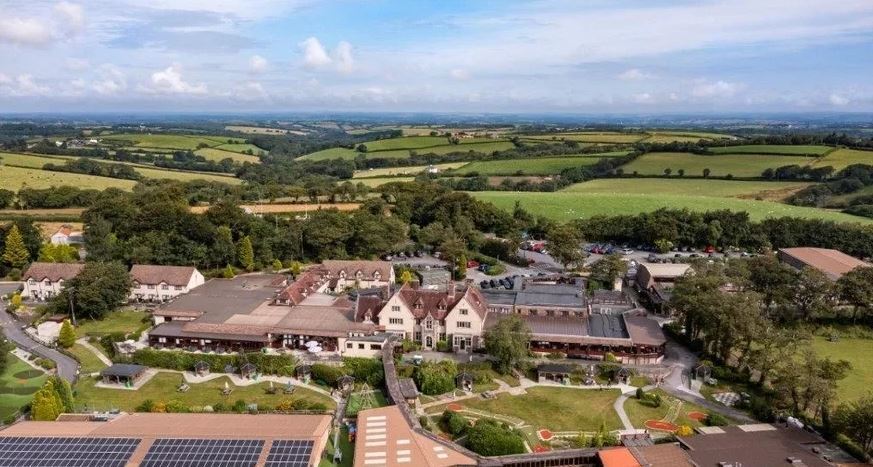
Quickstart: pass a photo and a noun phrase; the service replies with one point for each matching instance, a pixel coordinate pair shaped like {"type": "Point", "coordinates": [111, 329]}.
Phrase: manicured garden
{"type": "Point", "coordinates": [858, 352]}
{"type": "Point", "coordinates": [123, 321]}
{"type": "Point", "coordinates": [17, 385]}
{"type": "Point", "coordinates": [362, 401]}
{"type": "Point", "coordinates": [641, 411]}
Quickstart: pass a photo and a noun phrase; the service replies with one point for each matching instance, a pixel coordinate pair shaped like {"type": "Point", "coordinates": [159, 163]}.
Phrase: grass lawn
{"type": "Point", "coordinates": [214, 154]}
{"type": "Point", "coordinates": [356, 403]}
{"type": "Point", "coordinates": [531, 166]}
{"type": "Point", "coordinates": [13, 178]}
{"type": "Point", "coordinates": [17, 385]}
{"type": "Point", "coordinates": [406, 170]}
{"type": "Point", "coordinates": [332, 153]}
{"type": "Point", "coordinates": [163, 388]}
{"type": "Point", "coordinates": [88, 361]}
{"type": "Point", "coordinates": [187, 176]}
{"type": "Point", "coordinates": [126, 321]}
{"type": "Point", "coordinates": [345, 446]}
{"type": "Point", "coordinates": [841, 158]}
{"type": "Point", "coordinates": [801, 150]}
{"type": "Point", "coordinates": [564, 206]}
{"type": "Point", "coordinates": [679, 186]}
{"type": "Point", "coordinates": [738, 165]}
{"type": "Point", "coordinates": [558, 409]}
{"type": "Point", "coordinates": [858, 352]}
{"type": "Point", "coordinates": [639, 412]}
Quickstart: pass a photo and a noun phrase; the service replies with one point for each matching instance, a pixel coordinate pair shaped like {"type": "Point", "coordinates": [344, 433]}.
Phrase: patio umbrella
{"type": "Point", "coordinates": [311, 344]}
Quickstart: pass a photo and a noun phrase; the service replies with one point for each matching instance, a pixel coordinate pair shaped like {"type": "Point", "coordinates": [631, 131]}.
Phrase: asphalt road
{"type": "Point", "coordinates": [68, 368]}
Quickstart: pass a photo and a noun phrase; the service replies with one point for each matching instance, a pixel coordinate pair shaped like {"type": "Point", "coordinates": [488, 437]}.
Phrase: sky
{"type": "Point", "coordinates": [600, 56]}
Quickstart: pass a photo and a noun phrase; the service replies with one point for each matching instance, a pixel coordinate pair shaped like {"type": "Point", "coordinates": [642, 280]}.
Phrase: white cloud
{"type": "Point", "coordinates": [4, 80]}
{"type": "Point", "coordinates": [71, 17]}
{"type": "Point", "coordinates": [251, 91]}
{"type": "Point", "coordinates": [24, 31]}
{"type": "Point", "coordinates": [716, 89]}
{"type": "Point", "coordinates": [459, 74]}
{"type": "Point", "coordinates": [258, 64]}
{"type": "Point", "coordinates": [111, 81]}
{"type": "Point", "coordinates": [316, 57]}
{"type": "Point", "coordinates": [838, 100]}
{"type": "Point", "coordinates": [643, 98]}
{"type": "Point", "coordinates": [169, 81]}
{"type": "Point", "coordinates": [76, 64]}
{"type": "Point", "coordinates": [634, 74]}
{"type": "Point", "coordinates": [22, 85]}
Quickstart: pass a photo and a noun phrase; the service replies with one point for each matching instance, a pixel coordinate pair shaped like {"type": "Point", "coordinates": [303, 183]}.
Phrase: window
{"type": "Point", "coordinates": [151, 287]}
{"type": "Point", "coordinates": [375, 346]}
{"type": "Point", "coordinates": [464, 324]}
{"type": "Point", "coordinates": [179, 287]}
{"type": "Point", "coordinates": [395, 308]}
{"type": "Point", "coordinates": [31, 281]}
{"type": "Point", "coordinates": [428, 324]}
{"type": "Point", "coordinates": [464, 312]}
{"type": "Point", "coordinates": [361, 346]}
{"type": "Point", "coordinates": [395, 320]}
{"type": "Point", "coordinates": [162, 340]}
{"type": "Point", "coordinates": [349, 345]}
{"type": "Point", "coordinates": [165, 287]}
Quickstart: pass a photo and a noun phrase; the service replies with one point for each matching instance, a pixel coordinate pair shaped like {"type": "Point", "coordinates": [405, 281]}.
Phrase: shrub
{"type": "Point", "coordinates": [653, 400]}
{"type": "Point", "coordinates": [366, 369]}
{"type": "Point", "coordinates": [176, 406]}
{"type": "Point", "coordinates": [489, 438]}
{"type": "Point", "coordinates": [715, 419]}
{"type": "Point", "coordinates": [326, 374]}
{"type": "Point", "coordinates": [435, 378]}
{"type": "Point", "coordinates": [555, 355]}
{"type": "Point", "coordinates": [640, 393]}
{"type": "Point", "coordinates": [46, 363]}
{"type": "Point", "coordinates": [67, 336]}
{"type": "Point", "coordinates": [443, 346]}
{"type": "Point", "coordinates": [454, 423]}
{"type": "Point", "coordinates": [282, 365]}
{"type": "Point", "coordinates": [684, 430]}
{"type": "Point", "coordinates": [410, 346]}
{"type": "Point", "coordinates": [424, 421]}
{"type": "Point", "coordinates": [845, 443]}
{"type": "Point", "coordinates": [15, 274]}
{"type": "Point", "coordinates": [239, 406]}
{"type": "Point", "coordinates": [146, 406]}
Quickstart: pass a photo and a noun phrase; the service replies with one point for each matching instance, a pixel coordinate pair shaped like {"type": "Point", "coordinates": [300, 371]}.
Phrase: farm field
{"type": "Point", "coordinates": [215, 154]}
{"type": "Point", "coordinates": [289, 207]}
{"type": "Point", "coordinates": [13, 178]}
{"type": "Point", "coordinates": [772, 149]}
{"type": "Point", "coordinates": [842, 158]}
{"type": "Point", "coordinates": [407, 170]}
{"type": "Point", "coordinates": [241, 147]}
{"type": "Point", "coordinates": [332, 153]}
{"type": "Point", "coordinates": [28, 160]}
{"type": "Point", "coordinates": [163, 388]}
{"type": "Point", "coordinates": [408, 142]}
{"type": "Point", "coordinates": [858, 352]}
{"type": "Point", "coordinates": [531, 166]}
{"type": "Point", "coordinates": [186, 176]}
{"type": "Point", "coordinates": [17, 385]}
{"type": "Point", "coordinates": [487, 147]}
{"type": "Point", "coordinates": [693, 187]}
{"type": "Point", "coordinates": [564, 206]}
{"type": "Point", "coordinates": [738, 165]}
{"type": "Point", "coordinates": [378, 181]}
{"type": "Point", "coordinates": [256, 130]}
{"type": "Point", "coordinates": [590, 137]}
{"type": "Point", "coordinates": [557, 409]}
{"type": "Point", "coordinates": [845, 199]}
{"type": "Point", "coordinates": [165, 141]}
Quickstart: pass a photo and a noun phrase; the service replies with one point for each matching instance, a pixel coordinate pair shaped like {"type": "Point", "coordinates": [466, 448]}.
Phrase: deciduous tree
{"type": "Point", "coordinates": [508, 342]}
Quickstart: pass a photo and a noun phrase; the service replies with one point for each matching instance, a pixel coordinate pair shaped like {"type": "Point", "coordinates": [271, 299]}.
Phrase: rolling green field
{"type": "Point", "coordinates": [332, 153]}
{"type": "Point", "coordinates": [564, 206]}
{"type": "Point", "coordinates": [241, 148]}
{"type": "Point", "coordinates": [28, 160]}
{"type": "Point", "coordinates": [164, 141]}
{"type": "Point", "coordinates": [406, 170]}
{"type": "Point", "coordinates": [590, 137]}
{"type": "Point", "coordinates": [186, 176]}
{"type": "Point", "coordinates": [858, 352]}
{"type": "Point", "coordinates": [17, 385]}
{"type": "Point", "coordinates": [343, 153]}
{"type": "Point", "coordinates": [772, 149]}
{"type": "Point", "coordinates": [531, 166]}
{"type": "Point", "coordinates": [738, 165]}
{"type": "Point", "coordinates": [215, 154]}
{"type": "Point", "coordinates": [409, 142]}
{"type": "Point", "coordinates": [13, 178]}
{"type": "Point", "coordinates": [378, 181]}
{"type": "Point", "coordinates": [692, 187]}
{"type": "Point", "coordinates": [841, 158]}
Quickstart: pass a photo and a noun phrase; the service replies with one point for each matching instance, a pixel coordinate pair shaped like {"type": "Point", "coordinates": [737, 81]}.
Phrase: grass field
{"type": "Point", "coordinates": [531, 166]}
{"type": "Point", "coordinates": [241, 147]}
{"type": "Point", "coordinates": [89, 363]}
{"type": "Point", "coordinates": [163, 388]}
{"type": "Point", "coordinates": [357, 403]}
{"type": "Point", "coordinates": [30, 161]}
{"type": "Point", "coordinates": [17, 385]}
{"type": "Point", "coordinates": [772, 149]}
{"type": "Point", "coordinates": [186, 176]}
{"type": "Point", "coordinates": [639, 412]}
{"type": "Point", "coordinates": [378, 181]}
{"type": "Point", "coordinates": [487, 147]}
{"type": "Point", "coordinates": [118, 321]}
{"type": "Point", "coordinates": [590, 137]}
{"type": "Point", "coordinates": [738, 165]}
{"type": "Point", "coordinates": [858, 352]}
{"type": "Point", "coordinates": [693, 187]}
{"type": "Point", "coordinates": [13, 178]}
{"type": "Point", "coordinates": [662, 139]}
{"type": "Point", "coordinates": [407, 170]}
{"type": "Point", "coordinates": [163, 141]}
{"type": "Point", "coordinates": [841, 158]}
{"type": "Point", "coordinates": [214, 154]}
{"type": "Point", "coordinates": [409, 142]}
{"type": "Point", "coordinates": [565, 206]}
{"type": "Point", "coordinates": [557, 409]}
{"type": "Point", "coordinates": [332, 153]}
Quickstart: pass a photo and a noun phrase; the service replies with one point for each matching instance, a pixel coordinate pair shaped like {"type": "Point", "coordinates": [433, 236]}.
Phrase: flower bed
{"type": "Point", "coordinates": [545, 434]}
{"type": "Point", "coordinates": [661, 425]}
{"type": "Point", "coordinates": [698, 416]}
{"type": "Point", "coordinates": [455, 407]}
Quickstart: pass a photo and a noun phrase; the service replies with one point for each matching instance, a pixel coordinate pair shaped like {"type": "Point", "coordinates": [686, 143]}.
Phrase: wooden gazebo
{"type": "Point", "coordinates": [229, 369]}
{"type": "Point", "coordinates": [554, 372]}
{"type": "Point", "coordinates": [303, 372]}
{"type": "Point", "coordinates": [702, 371]}
{"type": "Point", "coordinates": [249, 371]}
{"type": "Point", "coordinates": [123, 374]}
{"type": "Point", "coordinates": [201, 368]}
{"type": "Point", "coordinates": [464, 381]}
{"type": "Point", "coordinates": [623, 375]}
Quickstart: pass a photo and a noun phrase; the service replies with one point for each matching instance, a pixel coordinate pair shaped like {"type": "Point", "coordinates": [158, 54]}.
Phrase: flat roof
{"type": "Point", "coordinates": [833, 263]}
{"type": "Point", "coordinates": [617, 457]}
{"type": "Point", "coordinates": [219, 299]}
{"type": "Point", "coordinates": [607, 325]}
{"type": "Point", "coordinates": [644, 331]}
{"type": "Point", "coordinates": [754, 447]}
{"type": "Point", "coordinates": [149, 427]}
{"type": "Point", "coordinates": [385, 439]}
{"type": "Point", "coordinates": [665, 269]}
{"type": "Point", "coordinates": [123, 370]}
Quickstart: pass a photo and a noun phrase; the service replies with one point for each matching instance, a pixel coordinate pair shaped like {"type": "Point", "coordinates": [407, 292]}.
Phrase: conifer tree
{"type": "Point", "coordinates": [245, 253]}
{"type": "Point", "coordinates": [67, 336]}
{"type": "Point", "coordinates": [15, 254]}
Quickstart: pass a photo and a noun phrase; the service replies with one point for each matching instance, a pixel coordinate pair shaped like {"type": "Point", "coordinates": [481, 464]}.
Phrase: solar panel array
{"type": "Point", "coordinates": [21, 451]}
{"type": "Point", "coordinates": [289, 453]}
{"type": "Point", "coordinates": [166, 452]}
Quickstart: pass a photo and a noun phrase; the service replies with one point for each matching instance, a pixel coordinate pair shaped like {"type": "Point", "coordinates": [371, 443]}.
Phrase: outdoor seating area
{"type": "Point", "coordinates": [554, 372]}
{"type": "Point", "coordinates": [123, 374]}
{"type": "Point", "coordinates": [464, 381]}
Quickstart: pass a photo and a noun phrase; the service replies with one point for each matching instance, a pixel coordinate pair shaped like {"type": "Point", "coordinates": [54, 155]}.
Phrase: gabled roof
{"type": "Point", "coordinates": [52, 271]}
{"type": "Point", "coordinates": [305, 285]}
{"type": "Point", "coordinates": [351, 268]}
{"type": "Point", "coordinates": [438, 303]}
{"type": "Point", "coordinates": [833, 263]}
{"type": "Point", "coordinates": [368, 305]}
{"type": "Point", "coordinates": [151, 274]}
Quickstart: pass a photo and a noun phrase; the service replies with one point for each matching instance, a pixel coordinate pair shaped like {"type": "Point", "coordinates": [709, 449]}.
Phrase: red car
{"type": "Point", "coordinates": [709, 249]}
{"type": "Point", "coordinates": [472, 264]}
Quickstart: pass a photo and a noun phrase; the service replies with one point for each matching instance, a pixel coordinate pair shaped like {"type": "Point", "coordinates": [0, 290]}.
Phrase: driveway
{"type": "Point", "coordinates": [68, 368]}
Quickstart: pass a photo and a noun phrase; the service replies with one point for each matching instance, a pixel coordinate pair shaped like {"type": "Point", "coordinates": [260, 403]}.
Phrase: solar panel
{"type": "Point", "coordinates": [40, 451]}
{"type": "Point", "coordinates": [289, 453]}
{"type": "Point", "coordinates": [166, 452]}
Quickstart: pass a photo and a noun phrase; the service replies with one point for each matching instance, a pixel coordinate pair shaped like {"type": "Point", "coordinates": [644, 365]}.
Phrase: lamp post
{"type": "Point", "coordinates": [72, 306]}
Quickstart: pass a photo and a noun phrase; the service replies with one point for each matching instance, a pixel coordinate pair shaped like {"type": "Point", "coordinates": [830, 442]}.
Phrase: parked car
{"type": "Point", "coordinates": [472, 264]}
{"type": "Point", "coordinates": [388, 257]}
{"type": "Point", "coordinates": [709, 249]}
{"type": "Point", "coordinates": [626, 251]}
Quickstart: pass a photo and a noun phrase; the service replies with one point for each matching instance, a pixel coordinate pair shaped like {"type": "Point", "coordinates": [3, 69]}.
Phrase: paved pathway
{"type": "Point", "coordinates": [100, 355]}
{"type": "Point", "coordinates": [67, 367]}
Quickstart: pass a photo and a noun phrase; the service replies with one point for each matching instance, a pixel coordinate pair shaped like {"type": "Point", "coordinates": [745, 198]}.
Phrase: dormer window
{"type": "Point", "coordinates": [376, 275]}
{"type": "Point", "coordinates": [359, 274]}
{"type": "Point", "coordinates": [342, 274]}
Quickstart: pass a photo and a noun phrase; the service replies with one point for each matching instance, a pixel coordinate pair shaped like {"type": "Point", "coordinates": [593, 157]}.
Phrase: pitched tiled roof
{"type": "Point", "coordinates": [152, 274]}
{"type": "Point", "coordinates": [423, 302]}
{"type": "Point", "coordinates": [52, 271]}
{"type": "Point", "coordinates": [306, 284]}
{"type": "Point", "coordinates": [368, 305]}
{"type": "Point", "coordinates": [367, 268]}
{"type": "Point", "coordinates": [833, 263]}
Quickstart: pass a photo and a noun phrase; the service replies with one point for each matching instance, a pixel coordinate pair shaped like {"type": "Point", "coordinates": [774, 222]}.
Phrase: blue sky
{"type": "Point", "coordinates": [466, 56]}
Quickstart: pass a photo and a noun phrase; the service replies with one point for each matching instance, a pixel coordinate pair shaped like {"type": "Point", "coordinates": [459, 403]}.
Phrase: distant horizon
{"type": "Point", "coordinates": [510, 56]}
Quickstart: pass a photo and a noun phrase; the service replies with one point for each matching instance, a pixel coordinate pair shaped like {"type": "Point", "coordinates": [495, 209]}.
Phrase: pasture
{"type": "Point", "coordinates": [409, 142]}
{"type": "Point", "coordinates": [215, 154]}
{"type": "Point", "coordinates": [842, 158]}
{"type": "Point", "coordinates": [170, 141]}
{"type": "Point", "coordinates": [687, 187]}
{"type": "Point", "coordinates": [858, 352]}
{"type": "Point", "coordinates": [608, 137]}
{"type": "Point", "coordinates": [379, 181]}
{"type": "Point", "coordinates": [241, 148]}
{"type": "Point", "coordinates": [332, 153]}
{"type": "Point", "coordinates": [14, 178]}
{"type": "Point", "coordinates": [487, 147]}
{"type": "Point", "coordinates": [738, 165]}
{"type": "Point", "coordinates": [530, 166]}
{"type": "Point", "coordinates": [790, 150]}
{"type": "Point", "coordinates": [29, 160]}
{"type": "Point", "coordinates": [407, 170]}
{"type": "Point", "coordinates": [564, 206]}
